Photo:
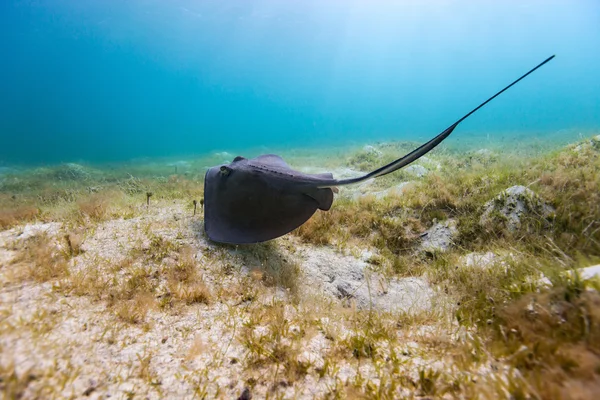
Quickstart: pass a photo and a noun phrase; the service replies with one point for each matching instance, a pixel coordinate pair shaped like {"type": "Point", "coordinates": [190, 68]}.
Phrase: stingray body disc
{"type": "Point", "coordinates": [243, 206]}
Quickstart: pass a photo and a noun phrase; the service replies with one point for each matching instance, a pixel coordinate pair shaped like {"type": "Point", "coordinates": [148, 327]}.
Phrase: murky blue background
{"type": "Point", "coordinates": [114, 80]}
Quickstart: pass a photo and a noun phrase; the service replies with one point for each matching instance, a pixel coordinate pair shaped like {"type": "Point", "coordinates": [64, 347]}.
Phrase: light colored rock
{"type": "Point", "coordinates": [590, 272]}
{"type": "Point", "coordinates": [543, 281]}
{"type": "Point", "coordinates": [357, 191]}
{"type": "Point", "coordinates": [429, 163]}
{"type": "Point", "coordinates": [487, 260]}
{"type": "Point", "coordinates": [440, 236]}
{"type": "Point", "coordinates": [417, 170]}
{"type": "Point", "coordinates": [512, 204]}
{"type": "Point", "coordinates": [346, 173]}
{"type": "Point", "coordinates": [480, 260]}
{"type": "Point", "coordinates": [587, 273]}
{"type": "Point", "coordinates": [366, 185]}
{"type": "Point", "coordinates": [372, 150]}
{"type": "Point", "coordinates": [398, 189]}
{"type": "Point", "coordinates": [348, 278]}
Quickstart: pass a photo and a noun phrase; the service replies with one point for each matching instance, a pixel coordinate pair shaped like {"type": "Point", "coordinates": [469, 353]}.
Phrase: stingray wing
{"type": "Point", "coordinates": [246, 205]}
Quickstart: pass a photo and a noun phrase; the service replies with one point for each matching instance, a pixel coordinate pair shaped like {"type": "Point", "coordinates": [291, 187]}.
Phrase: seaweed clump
{"type": "Point", "coordinates": [553, 338]}
{"type": "Point", "coordinates": [15, 214]}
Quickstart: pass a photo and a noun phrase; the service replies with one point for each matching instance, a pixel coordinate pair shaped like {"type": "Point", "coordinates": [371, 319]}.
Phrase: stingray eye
{"type": "Point", "coordinates": [225, 170]}
{"type": "Point", "coordinates": [238, 158]}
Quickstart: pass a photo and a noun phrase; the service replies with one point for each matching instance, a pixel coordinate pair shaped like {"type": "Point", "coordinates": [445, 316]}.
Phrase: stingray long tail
{"type": "Point", "coordinates": [427, 147]}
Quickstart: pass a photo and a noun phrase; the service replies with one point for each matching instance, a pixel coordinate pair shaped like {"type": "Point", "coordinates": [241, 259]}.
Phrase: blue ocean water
{"type": "Point", "coordinates": [107, 80]}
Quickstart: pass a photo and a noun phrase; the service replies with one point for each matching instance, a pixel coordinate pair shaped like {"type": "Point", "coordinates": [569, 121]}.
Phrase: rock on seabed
{"type": "Point", "coordinates": [417, 170]}
{"type": "Point", "coordinates": [439, 237]}
{"type": "Point", "coordinates": [512, 204]}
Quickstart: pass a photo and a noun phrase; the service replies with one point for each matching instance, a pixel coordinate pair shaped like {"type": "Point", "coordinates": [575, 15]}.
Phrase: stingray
{"type": "Point", "coordinates": [259, 199]}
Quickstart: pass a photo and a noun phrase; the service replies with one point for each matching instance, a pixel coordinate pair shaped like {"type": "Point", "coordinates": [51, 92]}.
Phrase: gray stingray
{"type": "Point", "coordinates": [259, 199]}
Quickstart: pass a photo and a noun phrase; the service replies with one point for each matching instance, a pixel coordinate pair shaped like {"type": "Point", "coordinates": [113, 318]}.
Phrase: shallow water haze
{"type": "Point", "coordinates": [98, 81]}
